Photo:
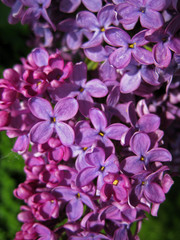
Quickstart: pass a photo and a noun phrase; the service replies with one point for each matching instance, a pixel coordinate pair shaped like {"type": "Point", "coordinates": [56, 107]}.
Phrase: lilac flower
{"type": "Point", "coordinates": [165, 40]}
{"type": "Point", "coordinates": [52, 119]}
{"type": "Point", "coordinates": [101, 54]}
{"type": "Point", "coordinates": [17, 10]}
{"type": "Point", "coordinates": [44, 233]}
{"type": "Point", "coordinates": [75, 198]}
{"type": "Point", "coordinates": [70, 6]}
{"type": "Point", "coordinates": [119, 212]}
{"type": "Point", "coordinates": [74, 34]}
{"type": "Point", "coordinates": [146, 186]}
{"type": "Point", "coordinates": [99, 25]}
{"type": "Point", "coordinates": [116, 185]}
{"type": "Point", "coordinates": [128, 47]}
{"type": "Point", "coordinates": [89, 236]}
{"type": "Point", "coordinates": [134, 73]}
{"type": "Point", "coordinates": [36, 9]}
{"type": "Point", "coordinates": [98, 168]}
{"type": "Point", "coordinates": [140, 145]}
{"type": "Point", "coordinates": [81, 88]}
{"type": "Point", "coordinates": [148, 11]}
{"type": "Point", "coordinates": [87, 135]}
{"type": "Point", "coordinates": [44, 206]}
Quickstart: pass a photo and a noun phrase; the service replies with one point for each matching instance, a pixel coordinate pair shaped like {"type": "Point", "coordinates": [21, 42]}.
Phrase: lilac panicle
{"type": "Point", "coordinates": [90, 118]}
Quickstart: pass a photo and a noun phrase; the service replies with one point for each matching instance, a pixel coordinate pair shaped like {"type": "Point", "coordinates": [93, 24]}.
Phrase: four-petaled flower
{"type": "Point", "coordinates": [52, 120]}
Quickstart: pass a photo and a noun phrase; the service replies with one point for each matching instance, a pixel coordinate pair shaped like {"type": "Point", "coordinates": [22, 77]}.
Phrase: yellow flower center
{"type": "Point", "coordinates": [102, 168]}
{"type": "Point", "coordinates": [78, 195]}
{"type": "Point", "coordinates": [131, 45]}
{"type": "Point", "coordinates": [102, 29]}
{"type": "Point", "coordinates": [101, 134]}
{"type": "Point", "coordinates": [115, 182]}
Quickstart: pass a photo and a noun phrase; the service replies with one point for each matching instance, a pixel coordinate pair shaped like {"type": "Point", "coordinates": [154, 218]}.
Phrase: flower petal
{"type": "Point", "coordinates": [40, 108]}
{"type": "Point", "coordinates": [98, 119]}
{"type": "Point", "coordinates": [117, 37]}
{"type": "Point", "coordinates": [115, 131]}
{"type": "Point", "coordinates": [148, 123]}
{"type": "Point", "coordinates": [63, 193]}
{"type": "Point", "coordinates": [41, 132]}
{"type": "Point", "coordinates": [130, 83]}
{"type": "Point", "coordinates": [140, 143]}
{"type": "Point", "coordinates": [86, 176]}
{"type": "Point", "coordinates": [132, 165]}
{"type": "Point", "coordinates": [154, 193]}
{"type": "Point", "coordinates": [40, 57]}
{"type": "Point", "coordinates": [151, 19]}
{"type": "Point", "coordinates": [96, 88]}
{"type": "Point", "coordinates": [69, 6]}
{"type": "Point", "coordinates": [120, 58]}
{"type": "Point", "coordinates": [65, 133]}
{"type": "Point", "coordinates": [74, 209]}
{"type": "Point", "coordinates": [93, 5]}
{"type": "Point", "coordinates": [65, 109]}
{"type": "Point", "coordinates": [159, 155]}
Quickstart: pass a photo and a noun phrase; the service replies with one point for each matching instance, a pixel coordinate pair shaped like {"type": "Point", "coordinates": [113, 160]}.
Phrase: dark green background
{"type": "Point", "coordinates": [13, 40]}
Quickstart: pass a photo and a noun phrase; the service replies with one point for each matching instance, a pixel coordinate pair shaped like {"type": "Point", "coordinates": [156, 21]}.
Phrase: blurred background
{"type": "Point", "coordinates": [13, 46]}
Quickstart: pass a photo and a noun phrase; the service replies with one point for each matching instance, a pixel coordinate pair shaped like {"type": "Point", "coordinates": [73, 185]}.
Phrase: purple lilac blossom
{"type": "Point", "coordinates": [140, 144]}
{"type": "Point", "coordinates": [83, 90]}
{"type": "Point", "coordinates": [148, 11]}
{"type": "Point", "coordinates": [98, 168]}
{"type": "Point", "coordinates": [52, 120]}
{"type": "Point", "coordinates": [101, 131]}
{"type": "Point", "coordinates": [104, 165]}
{"type": "Point", "coordinates": [99, 25]}
{"type": "Point", "coordinates": [128, 47]}
{"type": "Point", "coordinates": [70, 6]}
{"type": "Point", "coordinates": [166, 41]}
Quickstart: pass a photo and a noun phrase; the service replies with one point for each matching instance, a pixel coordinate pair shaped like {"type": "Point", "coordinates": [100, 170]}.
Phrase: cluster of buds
{"type": "Point", "coordinates": [97, 119]}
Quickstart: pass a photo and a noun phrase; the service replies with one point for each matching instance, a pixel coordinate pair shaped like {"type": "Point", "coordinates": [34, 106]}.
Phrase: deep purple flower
{"type": "Point", "coordinates": [101, 54]}
{"type": "Point", "coordinates": [148, 11]}
{"type": "Point", "coordinates": [36, 9]}
{"type": "Point", "coordinates": [44, 206]}
{"type": "Point", "coordinates": [140, 145]}
{"type": "Point", "coordinates": [87, 135]}
{"type": "Point", "coordinates": [44, 233]}
{"type": "Point", "coordinates": [52, 119]}
{"type": "Point", "coordinates": [99, 25]}
{"type": "Point", "coordinates": [70, 6]}
{"type": "Point", "coordinates": [128, 47]}
{"type": "Point", "coordinates": [116, 185]}
{"type": "Point", "coordinates": [146, 185]}
{"type": "Point", "coordinates": [98, 168]}
{"type": "Point", "coordinates": [119, 212]}
{"type": "Point", "coordinates": [135, 73]}
{"type": "Point", "coordinates": [75, 198]}
{"type": "Point", "coordinates": [74, 33]}
{"type": "Point", "coordinates": [17, 10]}
{"type": "Point", "coordinates": [166, 41]}
{"type": "Point", "coordinates": [81, 88]}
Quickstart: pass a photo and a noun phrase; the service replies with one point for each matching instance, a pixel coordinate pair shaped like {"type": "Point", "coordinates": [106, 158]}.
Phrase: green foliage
{"type": "Point", "coordinates": [166, 225]}
{"type": "Point", "coordinates": [13, 40]}
{"type": "Point", "coordinates": [11, 174]}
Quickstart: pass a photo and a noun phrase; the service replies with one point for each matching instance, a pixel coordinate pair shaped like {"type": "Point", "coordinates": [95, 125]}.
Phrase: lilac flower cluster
{"type": "Point", "coordinates": [97, 134]}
